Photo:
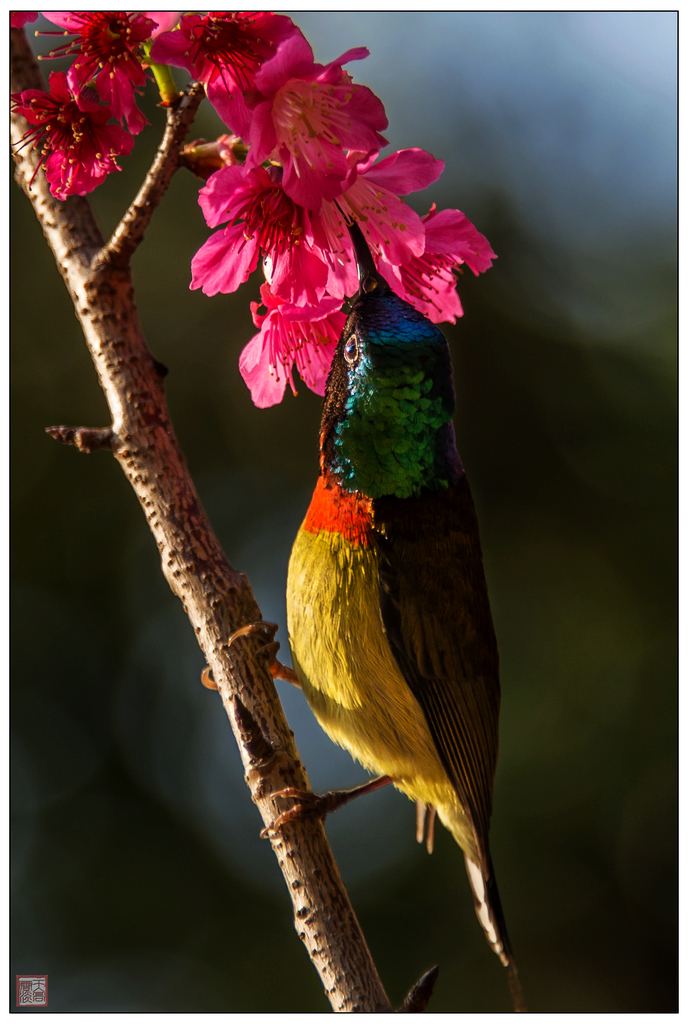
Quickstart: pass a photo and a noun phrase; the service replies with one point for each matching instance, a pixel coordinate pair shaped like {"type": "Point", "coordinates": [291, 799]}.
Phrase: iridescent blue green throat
{"type": "Point", "coordinates": [393, 434]}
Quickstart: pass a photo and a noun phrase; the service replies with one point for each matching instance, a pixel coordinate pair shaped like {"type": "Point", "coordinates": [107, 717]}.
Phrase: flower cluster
{"type": "Point", "coordinates": [79, 146]}
{"type": "Point", "coordinates": [71, 121]}
{"type": "Point", "coordinates": [302, 159]}
{"type": "Point", "coordinates": [312, 162]}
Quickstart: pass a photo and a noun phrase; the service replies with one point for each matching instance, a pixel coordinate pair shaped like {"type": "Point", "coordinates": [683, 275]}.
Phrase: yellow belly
{"type": "Point", "coordinates": [350, 677]}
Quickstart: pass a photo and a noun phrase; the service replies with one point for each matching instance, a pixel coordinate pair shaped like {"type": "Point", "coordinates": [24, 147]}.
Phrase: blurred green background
{"type": "Point", "coordinates": [139, 881]}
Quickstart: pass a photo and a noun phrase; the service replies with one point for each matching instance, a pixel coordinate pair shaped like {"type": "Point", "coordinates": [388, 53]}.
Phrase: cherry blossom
{"type": "Point", "coordinates": [394, 231]}
{"type": "Point", "coordinates": [79, 147]}
{"type": "Point", "coordinates": [107, 50]}
{"type": "Point", "coordinates": [289, 335]}
{"type": "Point", "coordinates": [262, 220]}
{"type": "Point", "coordinates": [302, 162]}
{"type": "Point", "coordinates": [428, 281]}
{"type": "Point", "coordinates": [305, 115]}
{"type": "Point", "coordinates": [224, 50]}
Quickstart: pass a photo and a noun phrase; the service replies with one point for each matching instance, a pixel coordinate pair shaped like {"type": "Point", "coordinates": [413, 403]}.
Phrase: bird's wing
{"type": "Point", "coordinates": [436, 613]}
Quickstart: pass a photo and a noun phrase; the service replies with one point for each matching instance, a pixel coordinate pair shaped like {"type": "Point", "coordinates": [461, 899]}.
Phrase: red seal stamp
{"type": "Point", "coordinates": [32, 990]}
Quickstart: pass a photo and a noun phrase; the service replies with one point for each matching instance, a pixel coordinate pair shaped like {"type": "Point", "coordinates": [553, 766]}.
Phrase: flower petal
{"type": "Point", "coordinates": [224, 262]}
{"type": "Point", "coordinates": [333, 242]}
{"type": "Point", "coordinates": [263, 137]}
{"type": "Point", "coordinates": [317, 346]}
{"type": "Point", "coordinates": [408, 170]}
{"type": "Point", "coordinates": [390, 227]}
{"type": "Point", "coordinates": [298, 276]}
{"type": "Point", "coordinates": [217, 195]}
{"type": "Point", "coordinates": [68, 20]}
{"type": "Point", "coordinates": [428, 285]}
{"type": "Point", "coordinates": [20, 18]}
{"type": "Point", "coordinates": [173, 47]}
{"type": "Point", "coordinates": [332, 72]}
{"type": "Point", "coordinates": [165, 21]}
{"type": "Point", "coordinates": [451, 232]}
{"type": "Point", "coordinates": [230, 106]}
{"type": "Point", "coordinates": [117, 90]}
{"type": "Point", "coordinates": [321, 176]}
{"type": "Point", "coordinates": [266, 384]}
{"type": "Point", "coordinates": [365, 118]}
{"type": "Point", "coordinates": [60, 87]}
{"type": "Point", "coordinates": [326, 307]}
{"type": "Point", "coordinates": [294, 59]}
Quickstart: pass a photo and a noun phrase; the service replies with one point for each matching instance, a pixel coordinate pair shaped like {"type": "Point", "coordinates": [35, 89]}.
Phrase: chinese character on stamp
{"type": "Point", "coordinates": [32, 990]}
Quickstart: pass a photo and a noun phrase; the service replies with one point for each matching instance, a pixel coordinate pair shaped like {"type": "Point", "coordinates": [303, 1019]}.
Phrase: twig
{"type": "Point", "coordinates": [217, 599]}
{"type": "Point", "coordinates": [130, 231]}
{"type": "Point", "coordinates": [86, 439]}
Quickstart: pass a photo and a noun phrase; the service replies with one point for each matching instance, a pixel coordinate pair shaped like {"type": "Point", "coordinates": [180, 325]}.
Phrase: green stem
{"type": "Point", "coordinates": [167, 86]}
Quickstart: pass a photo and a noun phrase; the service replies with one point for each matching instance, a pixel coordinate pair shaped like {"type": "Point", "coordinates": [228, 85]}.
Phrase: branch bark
{"type": "Point", "coordinates": [130, 231]}
{"type": "Point", "coordinates": [216, 598]}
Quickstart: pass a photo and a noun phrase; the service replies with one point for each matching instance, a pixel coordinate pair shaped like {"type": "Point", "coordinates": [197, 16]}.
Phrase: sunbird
{"type": "Point", "coordinates": [388, 615]}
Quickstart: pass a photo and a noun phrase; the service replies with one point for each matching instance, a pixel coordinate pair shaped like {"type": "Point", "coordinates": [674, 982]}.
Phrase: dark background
{"type": "Point", "coordinates": [138, 878]}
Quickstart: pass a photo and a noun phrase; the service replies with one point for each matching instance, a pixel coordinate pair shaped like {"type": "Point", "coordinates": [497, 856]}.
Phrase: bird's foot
{"type": "Point", "coordinates": [277, 669]}
{"type": "Point", "coordinates": [425, 824]}
{"type": "Point", "coordinates": [309, 806]}
{"type": "Point", "coordinates": [312, 806]}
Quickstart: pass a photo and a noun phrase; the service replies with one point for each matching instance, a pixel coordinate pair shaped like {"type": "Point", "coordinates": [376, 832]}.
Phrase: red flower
{"type": "Point", "coordinates": [224, 50]}
{"type": "Point", "coordinates": [108, 49]}
{"type": "Point", "coordinates": [79, 147]}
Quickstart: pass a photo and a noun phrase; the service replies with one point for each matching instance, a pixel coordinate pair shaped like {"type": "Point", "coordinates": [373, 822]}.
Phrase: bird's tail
{"type": "Point", "coordinates": [488, 909]}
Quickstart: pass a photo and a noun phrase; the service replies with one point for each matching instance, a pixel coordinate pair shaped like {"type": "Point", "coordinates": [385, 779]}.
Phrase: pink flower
{"type": "Point", "coordinates": [285, 338]}
{"type": "Point", "coordinates": [20, 18]}
{"type": "Point", "coordinates": [394, 232]}
{"type": "Point", "coordinates": [79, 147]}
{"type": "Point", "coordinates": [306, 115]}
{"type": "Point", "coordinates": [262, 219]}
{"type": "Point", "coordinates": [224, 50]}
{"type": "Point", "coordinates": [108, 49]}
{"type": "Point", "coordinates": [428, 281]}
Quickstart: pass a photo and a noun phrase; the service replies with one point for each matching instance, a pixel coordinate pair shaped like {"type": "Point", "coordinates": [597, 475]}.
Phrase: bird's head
{"type": "Point", "coordinates": [389, 401]}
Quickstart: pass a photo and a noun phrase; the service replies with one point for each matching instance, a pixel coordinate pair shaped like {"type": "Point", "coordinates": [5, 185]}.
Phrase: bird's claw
{"type": "Point", "coordinates": [270, 629]}
{"type": "Point", "coordinates": [277, 670]}
{"type": "Point", "coordinates": [207, 678]}
{"type": "Point", "coordinates": [310, 806]}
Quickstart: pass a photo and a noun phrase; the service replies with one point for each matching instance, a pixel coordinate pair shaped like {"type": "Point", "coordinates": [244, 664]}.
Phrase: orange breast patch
{"type": "Point", "coordinates": [339, 511]}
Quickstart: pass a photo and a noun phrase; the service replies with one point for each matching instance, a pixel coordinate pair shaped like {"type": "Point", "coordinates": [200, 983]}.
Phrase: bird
{"type": "Point", "coordinates": [388, 616]}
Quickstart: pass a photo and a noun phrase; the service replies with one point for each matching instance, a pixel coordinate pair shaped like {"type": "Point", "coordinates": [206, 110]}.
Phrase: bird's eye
{"type": "Point", "coordinates": [351, 350]}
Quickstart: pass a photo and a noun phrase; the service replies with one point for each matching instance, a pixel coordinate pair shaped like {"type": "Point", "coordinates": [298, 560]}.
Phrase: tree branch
{"type": "Point", "coordinates": [130, 231]}
{"type": "Point", "coordinates": [216, 598]}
